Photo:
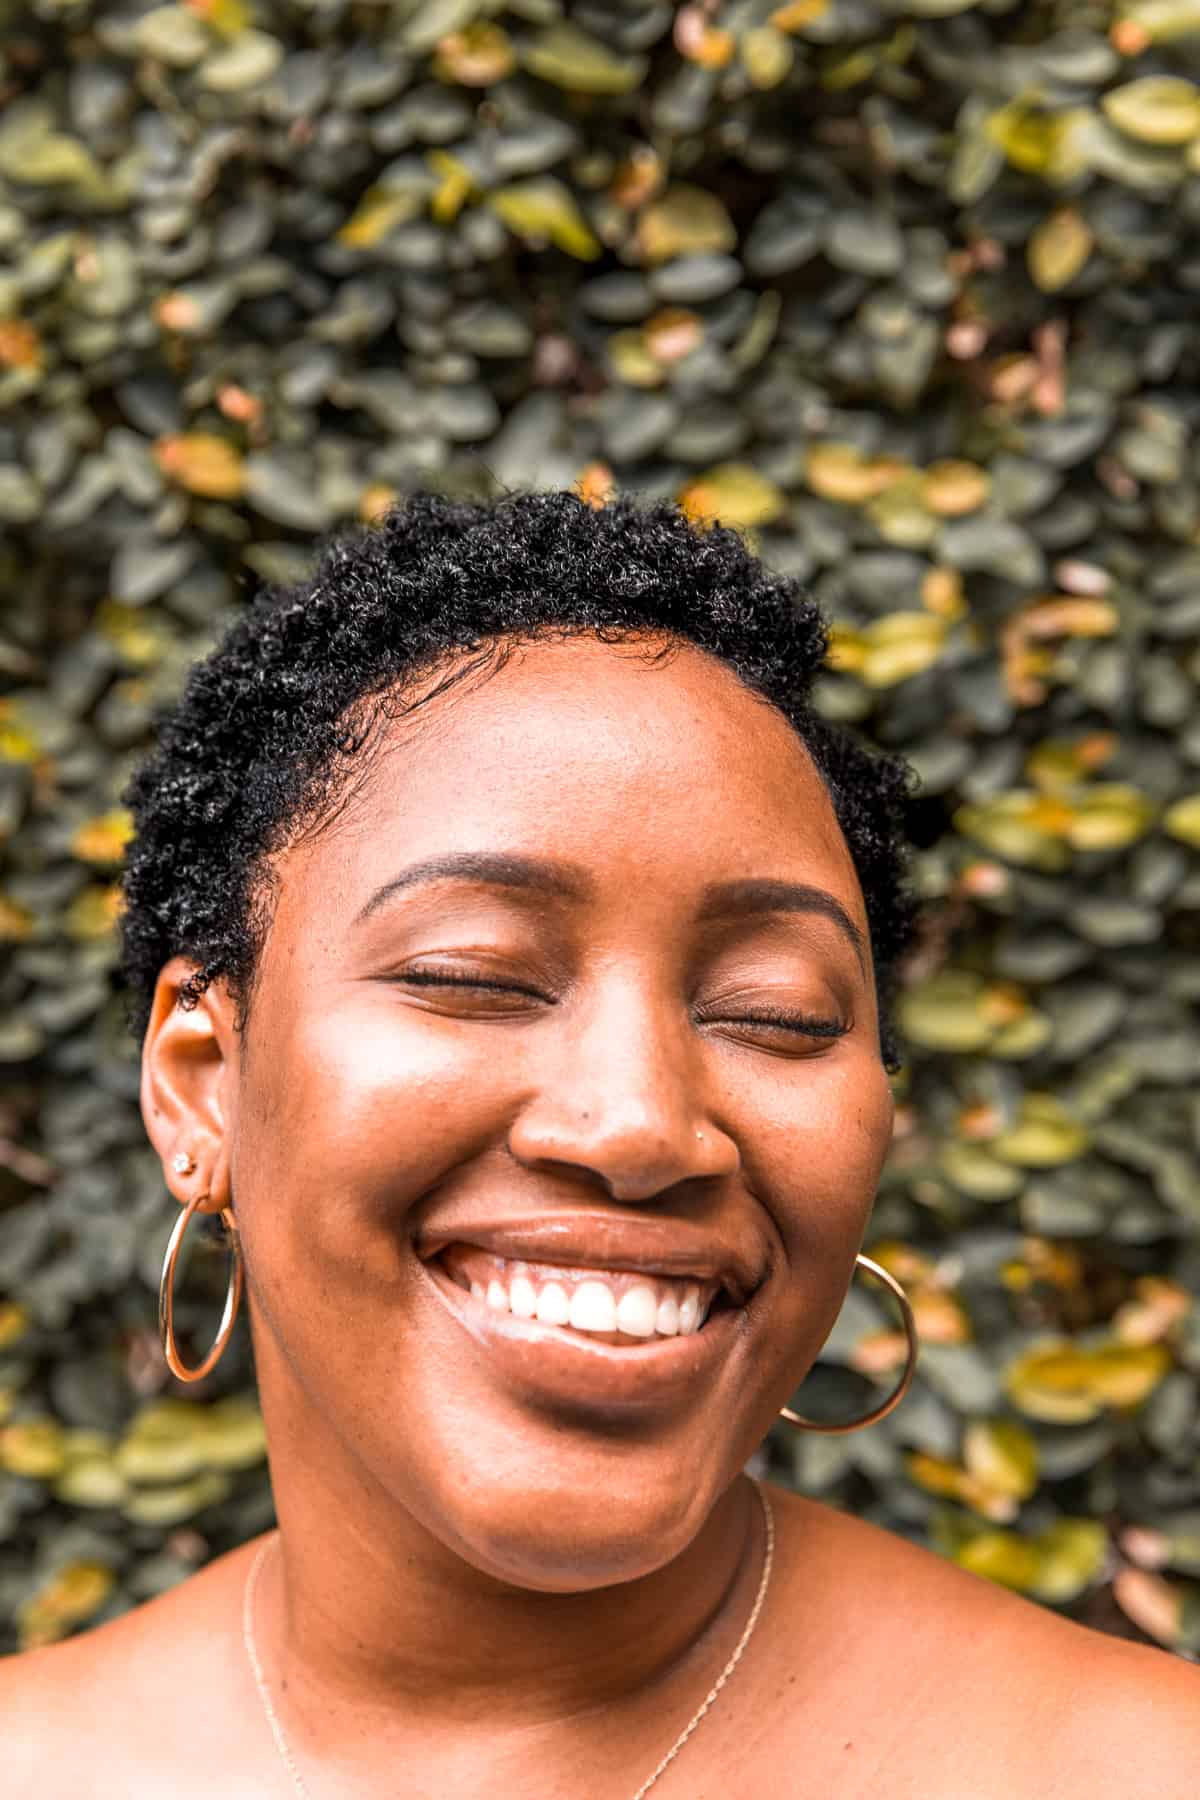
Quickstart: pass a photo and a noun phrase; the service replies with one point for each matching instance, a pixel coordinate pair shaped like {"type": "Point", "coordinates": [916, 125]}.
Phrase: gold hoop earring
{"type": "Point", "coordinates": [910, 1367]}
{"type": "Point", "coordinates": [166, 1297]}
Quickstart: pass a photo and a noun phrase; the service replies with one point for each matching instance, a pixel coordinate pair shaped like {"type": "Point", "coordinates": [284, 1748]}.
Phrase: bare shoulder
{"type": "Point", "coordinates": [122, 1697]}
{"type": "Point", "coordinates": [980, 1683]}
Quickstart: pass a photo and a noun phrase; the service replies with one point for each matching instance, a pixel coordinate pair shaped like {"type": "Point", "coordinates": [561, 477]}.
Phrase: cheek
{"type": "Point", "coordinates": [819, 1172]}
{"type": "Point", "coordinates": [356, 1114]}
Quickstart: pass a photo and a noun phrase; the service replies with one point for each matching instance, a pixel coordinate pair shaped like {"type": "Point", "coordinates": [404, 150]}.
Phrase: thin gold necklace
{"type": "Point", "coordinates": [289, 1762]}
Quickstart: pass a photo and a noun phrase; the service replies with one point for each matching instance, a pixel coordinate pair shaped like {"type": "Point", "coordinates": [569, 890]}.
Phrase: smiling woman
{"type": "Point", "coordinates": [512, 950]}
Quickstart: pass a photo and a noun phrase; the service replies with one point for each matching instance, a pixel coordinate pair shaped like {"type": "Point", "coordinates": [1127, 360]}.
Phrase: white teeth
{"type": "Point", "coordinates": [553, 1307]}
{"type": "Point", "coordinates": [637, 1312]}
{"type": "Point", "coordinates": [593, 1308]}
{"type": "Point", "coordinates": [666, 1321]}
{"type": "Point", "coordinates": [522, 1297]}
{"type": "Point", "coordinates": [592, 1305]}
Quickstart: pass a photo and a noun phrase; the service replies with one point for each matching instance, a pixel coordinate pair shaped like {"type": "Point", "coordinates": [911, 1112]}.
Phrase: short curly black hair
{"type": "Point", "coordinates": [260, 746]}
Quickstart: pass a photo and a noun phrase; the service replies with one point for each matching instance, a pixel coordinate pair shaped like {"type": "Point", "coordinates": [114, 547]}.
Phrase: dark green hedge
{"type": "Point", "coordinates": [907, 291]}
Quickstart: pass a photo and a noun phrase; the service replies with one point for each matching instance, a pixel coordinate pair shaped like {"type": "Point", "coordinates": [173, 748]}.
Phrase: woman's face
{"type": "Point", "coordinates": [514, 1058]}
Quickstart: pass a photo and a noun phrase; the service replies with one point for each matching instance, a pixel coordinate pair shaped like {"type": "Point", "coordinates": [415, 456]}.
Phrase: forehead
{"type": "Point", "coordinates": [583, 749]}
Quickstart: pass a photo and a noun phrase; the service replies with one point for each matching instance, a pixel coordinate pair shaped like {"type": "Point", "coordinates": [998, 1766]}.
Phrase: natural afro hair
{"type": "Point", "coordinates": [260, 745]}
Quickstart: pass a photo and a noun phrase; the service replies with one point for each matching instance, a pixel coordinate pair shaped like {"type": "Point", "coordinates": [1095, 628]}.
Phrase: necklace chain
{"type": "Point", "coordinates": [289, 1761]}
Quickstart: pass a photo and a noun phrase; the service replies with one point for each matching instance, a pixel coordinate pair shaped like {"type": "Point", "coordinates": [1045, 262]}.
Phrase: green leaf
{"type": "Point", "coordinates": [568, 57]}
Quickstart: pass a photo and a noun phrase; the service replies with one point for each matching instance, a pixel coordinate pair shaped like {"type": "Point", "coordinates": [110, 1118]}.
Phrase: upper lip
{"type": "Point", "coordinates": [602, 1240]}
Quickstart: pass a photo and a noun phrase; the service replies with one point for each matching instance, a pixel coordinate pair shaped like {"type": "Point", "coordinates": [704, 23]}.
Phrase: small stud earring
{"type": "Point", "coordinates": [182, 1163]}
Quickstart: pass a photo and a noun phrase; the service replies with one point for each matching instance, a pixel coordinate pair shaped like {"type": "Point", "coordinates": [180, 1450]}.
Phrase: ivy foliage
{"type": "Point", "coordinates": [906, 291]}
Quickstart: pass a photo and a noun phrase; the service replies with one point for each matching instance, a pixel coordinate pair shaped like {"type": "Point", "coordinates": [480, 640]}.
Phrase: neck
{"type": "Point", "coordinates": [377, 1631]}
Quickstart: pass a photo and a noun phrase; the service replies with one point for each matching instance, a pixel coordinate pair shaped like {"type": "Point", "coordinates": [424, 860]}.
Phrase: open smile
{"type": "Point", "coordinates": [614, 1305]}
{"type": "Point", "coordinates": [581, 1368]}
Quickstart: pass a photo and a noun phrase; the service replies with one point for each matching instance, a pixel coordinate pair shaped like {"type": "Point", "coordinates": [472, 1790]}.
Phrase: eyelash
{"type": "Point", "coordinates": [801, 1023]}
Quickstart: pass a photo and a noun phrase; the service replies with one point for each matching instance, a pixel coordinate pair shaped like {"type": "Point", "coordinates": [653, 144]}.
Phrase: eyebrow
{"type": "Point", "coordinates": [565, 880]}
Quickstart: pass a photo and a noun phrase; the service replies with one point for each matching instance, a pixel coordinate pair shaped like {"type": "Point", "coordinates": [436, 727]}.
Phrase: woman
{"type": "Point", "coordinates": [511, 948]}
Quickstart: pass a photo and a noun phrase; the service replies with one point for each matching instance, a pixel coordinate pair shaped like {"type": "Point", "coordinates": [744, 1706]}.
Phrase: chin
{"type": "Point", "coordinates": [563, 1539]}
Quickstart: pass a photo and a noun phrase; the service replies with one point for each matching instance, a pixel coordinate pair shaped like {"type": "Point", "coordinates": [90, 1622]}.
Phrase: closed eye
{"type": "Point", "coordinates": [431, 978]}
{"type": "Point", "coordinates": [801, 1024]}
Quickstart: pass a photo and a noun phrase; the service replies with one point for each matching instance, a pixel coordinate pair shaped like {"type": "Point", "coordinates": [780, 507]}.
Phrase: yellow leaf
{"type": "Point", "coordinates": [1063, 1384]}
{"type": "Point", "coordinates": [91, 1481]}
{"type": "Point", "coordinates": [901, 645]}
{"type": "Point", "coordinates": [201, 463]}
{"type": "Point", "coordinates": [376, 499]}
{"type": "Point", "coordinates": [227, 17]}
{"type": "Point", "coordinates": [103, 839]}
{"type": "Point", "coordinates": [1057, 765]}
{"type": "Point", "coordinates": [1108, 816]}
{"type": "Point", "coordinates": [935, 1474]}
{"type": "Point", "coordinates": [93, 914]}
{"type": "Point", "coordinates": [942, 593]}
{"type": "Point", "coordinates": [1051, 144]}
{"type": "Point", "coordinates": [797, 14]}
{"type": "Point", "coordinates": [1001, 1556]}
{"type": "Point", "coordinates": [18, 741]}
{"type": "Point", "coordinates": [14, 1323]}
{"type": "Point", "coordinates": [944, 1012]}
{"type": "Point", "coordinates": [1124, 1374]}
{"type": "Point", "coordinates": [684, 221]}
{"type": "Point", "coordinates": [476, 56]}
{"type": "Point", "coordinates": [1182, 820]}
{"type": "Point", "coordinates": [1157, 109]}
{"type": "Point", "coordinates": [134, 631]}
{"type": "Point", "coordinates": [767, 56]}
{"type": "Point", "coordinates": [847, 649]}
{"type": "Point", "coordinates": [378, 211]}
{"type": "Point", "coordinates": [72, 1594]}
{"type": "Point", "coordinates": [732, 494]}
{"type": "Point", "coordinates": [952, 487]}
{"type": "Point", "coordinates": [457, 183]}
{"type": "Point", "coordinates": [1044, 1136]}
{"type": "Point", "coordinates": [1059, 248]}
{"type": "Point", "coordinates": [1002, 1455]}
{"type": "Point", "coordinates": [16, 922]}
{"type": "Point", "coordinates": [1069, 615]}
{"type": "Point", "coordinates": [841, 472]}
{"type": "Point", "coordinates": [165, 1506]}
{"type": "Point", "coordinates": [32, 1448]}
{"type": "Point", "coordinates": [543, 210]}
{"type": "Point", "coordinates": [20, 345]}
{"type": "Point", "coordinates": [1071, 1556]}
{"type": "Point", "coordinates": [632, 361]}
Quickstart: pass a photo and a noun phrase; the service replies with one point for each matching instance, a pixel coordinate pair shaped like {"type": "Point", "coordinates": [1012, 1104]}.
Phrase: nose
{"type": "Point", "coordinates": [619, 1100]}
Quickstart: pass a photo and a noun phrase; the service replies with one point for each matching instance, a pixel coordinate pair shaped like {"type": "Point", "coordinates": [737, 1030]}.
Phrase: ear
{"type": "Point", "coordinates": [188, 1089]}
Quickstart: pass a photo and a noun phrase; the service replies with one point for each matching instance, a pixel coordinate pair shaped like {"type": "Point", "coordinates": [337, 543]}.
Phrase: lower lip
{"type": "Point", "coordinates": [566, 1367]}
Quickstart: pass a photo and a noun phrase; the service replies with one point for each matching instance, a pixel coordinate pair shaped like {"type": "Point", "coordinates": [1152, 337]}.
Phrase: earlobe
{"type": "Point", "coordinates": [188, 1070]}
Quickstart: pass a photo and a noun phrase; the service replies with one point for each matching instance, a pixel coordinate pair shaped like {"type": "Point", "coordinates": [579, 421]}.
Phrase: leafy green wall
{"type": "Point", "coordinates": [909, 292]}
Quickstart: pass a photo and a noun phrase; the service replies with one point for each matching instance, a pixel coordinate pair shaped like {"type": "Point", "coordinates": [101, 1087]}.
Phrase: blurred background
{"type": "Point", "coordinates": [907, 292]}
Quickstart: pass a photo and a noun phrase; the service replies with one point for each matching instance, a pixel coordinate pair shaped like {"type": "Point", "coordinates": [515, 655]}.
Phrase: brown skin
{"type": "Point", "coordinates": [492, 1584]}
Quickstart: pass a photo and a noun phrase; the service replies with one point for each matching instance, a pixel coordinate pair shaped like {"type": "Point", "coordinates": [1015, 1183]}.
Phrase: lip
{"type": "Point", "coordinates": [636, 1242]}
{"type": "Point", "coordinates": [568, 1370]}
